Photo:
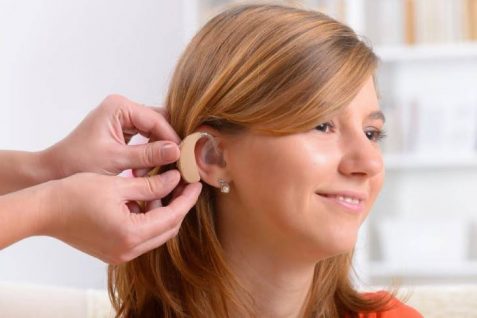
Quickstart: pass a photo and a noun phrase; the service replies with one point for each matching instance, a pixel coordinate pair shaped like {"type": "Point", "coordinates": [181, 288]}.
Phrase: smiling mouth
{"type": "Point", "coordinates": [349, 202]}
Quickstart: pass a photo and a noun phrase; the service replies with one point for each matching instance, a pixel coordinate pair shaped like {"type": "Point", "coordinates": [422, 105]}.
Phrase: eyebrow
{"type": "Point", "coordinates": [377, 115]}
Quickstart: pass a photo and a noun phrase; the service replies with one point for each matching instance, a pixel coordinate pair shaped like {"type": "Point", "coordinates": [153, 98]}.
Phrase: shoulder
{"type": "Point", "coordinates": [395, 309]}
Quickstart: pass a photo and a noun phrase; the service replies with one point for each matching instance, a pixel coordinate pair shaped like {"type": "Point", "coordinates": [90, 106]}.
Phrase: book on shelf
{"type": "Point", "coordinates": [428, 21]}
{"type": "Point", "coordinates": [470, 19]}
{"type": "Point", "coordinates": [436, 125]}
{"type": "Point", "coordinates": [396, 22]}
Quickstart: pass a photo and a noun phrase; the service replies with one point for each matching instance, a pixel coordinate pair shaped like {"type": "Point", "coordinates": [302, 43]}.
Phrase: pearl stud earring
{"type": "Point", "coordinates": [224, 186]}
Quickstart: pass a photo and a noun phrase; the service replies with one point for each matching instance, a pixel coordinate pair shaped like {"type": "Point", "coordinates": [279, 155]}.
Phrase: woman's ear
{"type": "Point", "coordinates": [210, 159]}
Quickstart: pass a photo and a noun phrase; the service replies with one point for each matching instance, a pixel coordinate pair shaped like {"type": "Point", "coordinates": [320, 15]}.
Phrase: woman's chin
{"type": "Point", "coordinates": [334, 246]}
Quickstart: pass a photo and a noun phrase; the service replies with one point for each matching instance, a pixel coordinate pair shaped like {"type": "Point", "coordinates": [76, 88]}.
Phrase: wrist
{"type": "Point", "coordinates": [23, 169]}
{"type": "Point", "coordinates": [48, 214]}
{"type": "Point", "coordinates": [52, 167]}
{"type": "Point", "coordinates": [25, 213]}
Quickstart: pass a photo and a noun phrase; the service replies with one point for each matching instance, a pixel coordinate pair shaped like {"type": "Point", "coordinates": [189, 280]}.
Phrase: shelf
{"type": "Point", "coordinates": [412, 161]}
{"type": "Point", "coordinates": [427, 52]}
{"type": "Point", "coordinates": [436, 270]}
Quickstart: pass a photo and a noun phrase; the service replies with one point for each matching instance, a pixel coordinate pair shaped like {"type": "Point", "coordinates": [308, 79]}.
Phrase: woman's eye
{"type": "Point", "coordinates": [325, 127]}
{"type": "Point", "coordinates": [375, 135]}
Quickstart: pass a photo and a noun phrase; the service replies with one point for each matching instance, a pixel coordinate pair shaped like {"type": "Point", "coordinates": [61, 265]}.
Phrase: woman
{"type": "Point", "coordinates": [289, 96]}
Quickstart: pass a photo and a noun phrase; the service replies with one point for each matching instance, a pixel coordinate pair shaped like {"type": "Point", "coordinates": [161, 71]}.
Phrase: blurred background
{"type": "Point", "coordinates": [59, 59]}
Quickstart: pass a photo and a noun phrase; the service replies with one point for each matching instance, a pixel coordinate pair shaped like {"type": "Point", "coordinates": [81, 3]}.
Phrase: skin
{"type": "Point", "coordinates": [273, 224]}
{"type": "Point", "coordinates": [71, 190]}
{"type": "Point", "coordinates": [99, 144]}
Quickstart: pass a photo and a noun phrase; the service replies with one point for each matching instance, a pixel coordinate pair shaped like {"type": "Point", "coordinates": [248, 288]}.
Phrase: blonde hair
{"type": "Point", "coordinates": [269, 68]}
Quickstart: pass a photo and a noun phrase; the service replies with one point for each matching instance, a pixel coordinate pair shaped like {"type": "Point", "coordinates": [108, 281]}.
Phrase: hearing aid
{"type": "Point", "coordinates": [187, 163]}
{"type": "Point", "coordinates": [210, 154]}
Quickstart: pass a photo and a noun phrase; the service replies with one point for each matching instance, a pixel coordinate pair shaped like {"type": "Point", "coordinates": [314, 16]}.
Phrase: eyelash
{"type": "Point", "coordinates": [378, 134]}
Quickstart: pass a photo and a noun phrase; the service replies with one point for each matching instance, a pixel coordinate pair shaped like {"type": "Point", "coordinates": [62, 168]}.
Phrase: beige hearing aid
{"type": "Point", "coordinates": [187, 163]}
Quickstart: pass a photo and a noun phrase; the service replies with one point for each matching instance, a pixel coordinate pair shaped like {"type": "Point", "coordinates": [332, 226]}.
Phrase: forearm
{"type": "Point", "coordinates": [22, 169]}
{"type": "Point", "coordinates": [24, 213]}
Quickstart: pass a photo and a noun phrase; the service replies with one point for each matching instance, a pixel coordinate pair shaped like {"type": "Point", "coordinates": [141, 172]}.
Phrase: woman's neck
{"type": "Point", "coordinates": [277, 284]}
{"type": "Point", "coordinates": [279, 293]}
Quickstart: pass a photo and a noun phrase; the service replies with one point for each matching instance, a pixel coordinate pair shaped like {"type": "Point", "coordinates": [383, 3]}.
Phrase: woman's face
{"type": "Point", "coordinates": [306, 193]}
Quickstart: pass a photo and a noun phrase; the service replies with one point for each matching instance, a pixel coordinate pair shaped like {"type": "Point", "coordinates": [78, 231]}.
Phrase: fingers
{"type": "Point", "coordinates": [141, 172]}
{"type": "Point", "coordinates": [165, 219]}
{"type": "Point", "coordinates": [149, 155]}
{"type": "Point", "coordinates": [149, 122]}
{"type": "Point", "coordinates": [162, 111]}
{"type": "Point", "coordinates": [153, 205]}
{"type": "Point", "coordinates": [143, 247]}
{"type": "Point", "coordinates": [153, 243]}
{"type": "Point", "coordinates": [154, 228]}
{"type": "Point", "coordinates": [149, 188]}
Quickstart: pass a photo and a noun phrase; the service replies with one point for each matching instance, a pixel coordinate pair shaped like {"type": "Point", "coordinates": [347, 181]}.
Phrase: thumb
{"type": "Point", "coordinates": [149, 155]}
{"type": "Point", "coordinates": [150, 188]}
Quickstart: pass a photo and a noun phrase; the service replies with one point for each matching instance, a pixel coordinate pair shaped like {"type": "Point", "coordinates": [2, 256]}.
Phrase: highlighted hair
{"type": "Point", "coordinates": [269, 68]}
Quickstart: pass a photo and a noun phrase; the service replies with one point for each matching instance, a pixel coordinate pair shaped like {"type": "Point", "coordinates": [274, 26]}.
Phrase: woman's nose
{"type": "Point", "coordinates": [361, 156]}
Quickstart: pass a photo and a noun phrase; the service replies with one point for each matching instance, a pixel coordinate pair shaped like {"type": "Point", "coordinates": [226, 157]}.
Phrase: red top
{"type": "Point", "coordinates": [397, 310]}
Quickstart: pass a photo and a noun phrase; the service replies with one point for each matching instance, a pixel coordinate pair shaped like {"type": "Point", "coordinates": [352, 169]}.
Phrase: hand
{"type": "Point", "coordinates": [99, 143]}
{"type": "Point", "coordinates": [94, 213]}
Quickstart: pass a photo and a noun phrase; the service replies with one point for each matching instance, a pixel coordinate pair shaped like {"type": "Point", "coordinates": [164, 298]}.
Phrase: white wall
{"type": "Point", "coordinates": [58, 60]}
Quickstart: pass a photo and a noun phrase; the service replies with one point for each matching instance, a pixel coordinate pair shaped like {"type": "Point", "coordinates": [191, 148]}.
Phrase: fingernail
{"type": "Point", "coordinates": [141, 172]}
{"type": "Point", "coordinates": [169, 152]}
{"type": "Point", "coordinates": [170, 176]}
{"type": "Point", "coordinates": [198, 187]}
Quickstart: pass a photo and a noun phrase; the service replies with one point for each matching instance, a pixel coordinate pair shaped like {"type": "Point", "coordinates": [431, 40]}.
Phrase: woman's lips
{"type": "Point", "coordinates": [352, 202]}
